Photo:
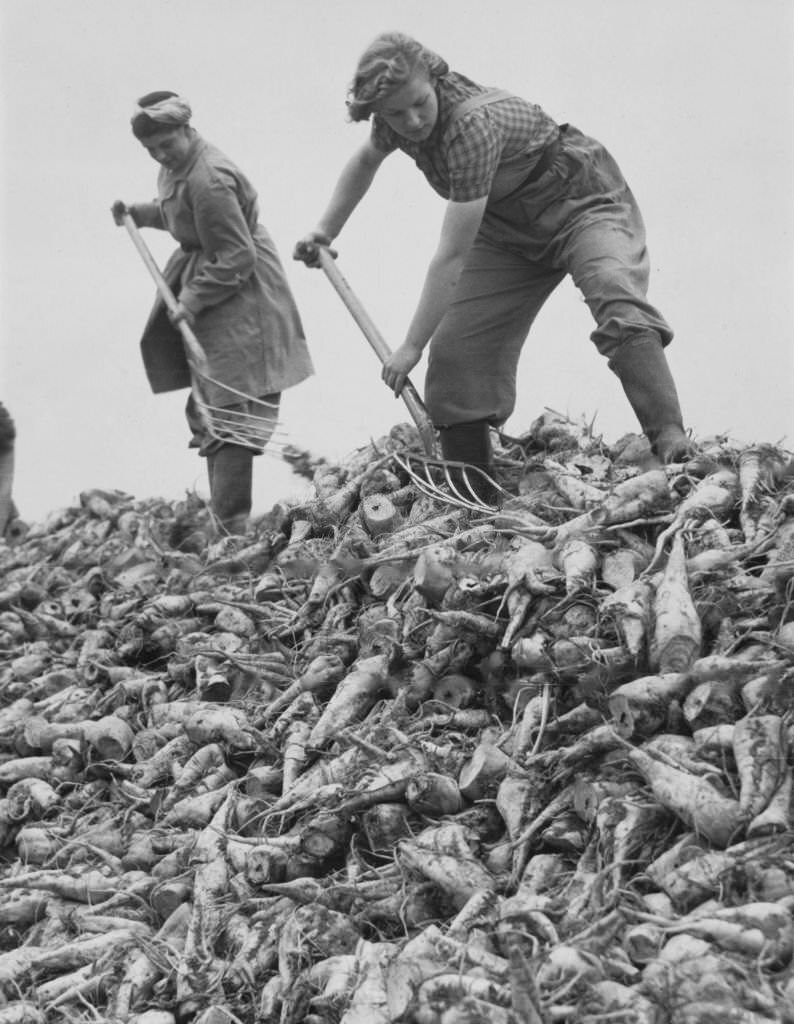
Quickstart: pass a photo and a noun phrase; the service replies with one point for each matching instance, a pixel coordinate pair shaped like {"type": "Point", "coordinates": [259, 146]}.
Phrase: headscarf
{"type": "Point", "coordinates": [158, 110]}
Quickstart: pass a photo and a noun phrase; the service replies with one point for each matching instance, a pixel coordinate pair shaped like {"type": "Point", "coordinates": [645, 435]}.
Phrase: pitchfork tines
{"type": "Point", "coordinates": [456, 483]}
{"type": "Point", "coordinates": [250, 422]}
{"type": "Point", "coordinates": [244, 419]}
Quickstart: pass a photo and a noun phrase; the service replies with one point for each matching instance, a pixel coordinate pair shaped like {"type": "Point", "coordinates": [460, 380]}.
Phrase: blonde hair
{"type": "Point", "coordinates": [385, 66]}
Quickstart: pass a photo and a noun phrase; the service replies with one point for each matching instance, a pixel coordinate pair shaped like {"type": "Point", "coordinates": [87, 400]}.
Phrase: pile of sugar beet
{"type": "Point", "coordinates": [392, 757]}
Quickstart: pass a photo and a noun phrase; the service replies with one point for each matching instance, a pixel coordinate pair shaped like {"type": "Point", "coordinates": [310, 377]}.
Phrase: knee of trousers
{"type": "Point", "coordinates": [618, 303]}
{"type": "Point", "coordinates": [456, 393]}
{"type": "Point", "coordinates": [616, 335]}
{"type": "Point", "coordinates": [464, 401]}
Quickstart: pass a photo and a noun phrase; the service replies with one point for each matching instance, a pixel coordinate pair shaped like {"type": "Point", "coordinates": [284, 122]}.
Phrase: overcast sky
{"type": "Point", "coordinates": [695, 99]}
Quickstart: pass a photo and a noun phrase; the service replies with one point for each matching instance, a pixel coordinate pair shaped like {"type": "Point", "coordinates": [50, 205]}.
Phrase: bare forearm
{"type": "Point", "coordinates": [458, 231]}
{"type": "Point", "coordinates": [435, 299]}
{"type": "Point", "coordinates": [353, 183]}
{"type": "Point", "coordinates": [461, 223]}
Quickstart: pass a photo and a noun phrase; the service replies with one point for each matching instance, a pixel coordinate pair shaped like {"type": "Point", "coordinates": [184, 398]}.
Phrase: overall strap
{"type": "Point", "coordinates": [482, 99]}
{"type": "Point", "coordinates": [511, 165]}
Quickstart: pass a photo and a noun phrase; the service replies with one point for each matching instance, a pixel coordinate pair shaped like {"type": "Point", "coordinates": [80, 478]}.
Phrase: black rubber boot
{"type": "Point", "coordinates": [645, 375]}
{"type": "Point", "coordinates": [469, 443]}
{"type": "Point", "coordinates": [230, 471]}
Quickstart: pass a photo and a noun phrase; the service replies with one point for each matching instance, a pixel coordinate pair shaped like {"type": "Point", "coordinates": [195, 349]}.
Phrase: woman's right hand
{"type": "Point", "coordinates": [399, 365]}
{"type": "Point", "coordinates": [306, 248]}
{"type": "Point", "coordinates": [119, 208]}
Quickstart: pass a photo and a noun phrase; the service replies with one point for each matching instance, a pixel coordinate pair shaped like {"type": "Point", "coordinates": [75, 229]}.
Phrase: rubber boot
{"type": "Point", "coordinates": [648, 383]}
{"type": "Point", "coordinates": [469, 443]}
{"type": "Point", "coordinates": [230, 471]}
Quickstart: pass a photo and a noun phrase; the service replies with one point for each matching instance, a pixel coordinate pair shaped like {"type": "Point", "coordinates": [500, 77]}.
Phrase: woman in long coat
{"type": "Point", "coordinates": [8, 434]}
{"type": "Point", "coordinates": [528, 202]}
{"type": "Point", "coordinates": [231, 289]}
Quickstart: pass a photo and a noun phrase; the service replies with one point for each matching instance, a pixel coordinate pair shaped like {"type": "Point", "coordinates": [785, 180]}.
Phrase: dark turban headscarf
{"type": "Point", "coordinates": [158, 110]}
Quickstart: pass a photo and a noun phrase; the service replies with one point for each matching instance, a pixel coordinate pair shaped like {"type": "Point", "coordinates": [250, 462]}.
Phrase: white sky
{"type": "Point", "coordinates": [695, 99]}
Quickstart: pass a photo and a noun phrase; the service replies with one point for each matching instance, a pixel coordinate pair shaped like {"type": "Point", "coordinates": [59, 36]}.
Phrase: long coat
{"type": "Point", "coordinates": [228, 274]}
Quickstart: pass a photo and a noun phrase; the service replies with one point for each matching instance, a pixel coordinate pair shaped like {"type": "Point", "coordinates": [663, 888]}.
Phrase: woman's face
{"type": "Point", "coordinates": [411, 110]}
{"type": "Point", "coordinates": [168, 147]}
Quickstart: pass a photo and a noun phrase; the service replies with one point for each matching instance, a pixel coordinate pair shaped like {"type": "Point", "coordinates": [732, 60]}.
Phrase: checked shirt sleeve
{"type": "Point", "coordinates": [473, 155]}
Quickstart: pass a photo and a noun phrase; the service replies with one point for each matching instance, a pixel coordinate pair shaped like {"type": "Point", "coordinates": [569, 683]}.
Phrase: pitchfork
{"type": "Point", "coordinates": [234, 426]}
{"type": "Point", "coordinates": [428, 473]}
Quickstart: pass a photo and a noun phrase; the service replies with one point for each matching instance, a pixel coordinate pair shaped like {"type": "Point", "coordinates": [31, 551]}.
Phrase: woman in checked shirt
{"type": "Point", "coordinates": [528, 201]}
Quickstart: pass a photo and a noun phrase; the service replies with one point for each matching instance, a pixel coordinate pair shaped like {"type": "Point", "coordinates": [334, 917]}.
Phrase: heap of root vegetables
{"type": "Point", "coordinates": [392, 759]}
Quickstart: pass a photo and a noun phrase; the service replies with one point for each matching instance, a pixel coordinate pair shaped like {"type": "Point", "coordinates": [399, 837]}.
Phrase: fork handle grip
{"type": "Point", "coordinates": [194, 353]}
{"type": "Point", "coordinates": [194, 350]}
{"type": "Point", "coordinates": [378, 343]}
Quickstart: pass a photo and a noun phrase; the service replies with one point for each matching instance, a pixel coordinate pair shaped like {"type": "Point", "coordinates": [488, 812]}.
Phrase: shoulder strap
{"type": "Point", "coordinates": [473, 103]}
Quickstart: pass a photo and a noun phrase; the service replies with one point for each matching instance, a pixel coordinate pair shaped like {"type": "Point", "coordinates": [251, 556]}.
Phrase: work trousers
{"type": "Point", "coordinates": [578, 218]}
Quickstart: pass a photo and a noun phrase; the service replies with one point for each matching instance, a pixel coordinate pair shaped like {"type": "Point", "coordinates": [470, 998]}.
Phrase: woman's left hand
{"type": "Point", "coordinates": [181, 313]}
{"type": "Point", "coordinates": [399, 365]}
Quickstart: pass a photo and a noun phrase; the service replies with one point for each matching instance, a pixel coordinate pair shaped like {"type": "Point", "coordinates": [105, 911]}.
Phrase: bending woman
{"type": "Point", "coordinates": [232, 291]}
{"type": "Point", "coordinates": [528, 201]}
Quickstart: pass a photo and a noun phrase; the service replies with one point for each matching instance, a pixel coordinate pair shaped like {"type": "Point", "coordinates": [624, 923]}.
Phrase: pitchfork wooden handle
{"type": "Point", "coordinates": [379, 345]}
{"type": "Point", "coordinates": [194, 353]}
{"type": "Point", "coordinates": [194, 350]}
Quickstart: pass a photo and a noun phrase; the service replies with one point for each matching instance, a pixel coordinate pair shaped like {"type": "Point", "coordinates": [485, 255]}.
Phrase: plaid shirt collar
{"type": "Point", "coordinates": [451, 89]}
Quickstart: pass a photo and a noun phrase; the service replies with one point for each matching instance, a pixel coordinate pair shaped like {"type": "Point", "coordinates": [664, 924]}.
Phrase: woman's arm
{"type": "Point", "coordinates": [227, 248]}
{"type": "Point", "coordinates": [145, 215]}
{"type": "Point", "coordinates": [148, 215]}
{"type": "Point", "coordinates": [353, 183]}
{"type": "Point", "coordinates": [351, 187]}
{"type": "Point", "coordinates": [458, 231]}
